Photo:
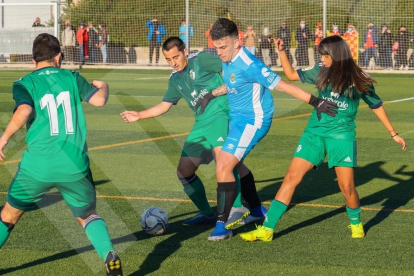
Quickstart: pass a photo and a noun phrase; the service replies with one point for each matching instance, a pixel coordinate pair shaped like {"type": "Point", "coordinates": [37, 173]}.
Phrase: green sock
{"type": "Point", "coordinates": [196, 192]}
{"type": "Point", "coordinates": [274, 214]}
{"type": "Point", "coordinates": [98, 235]}
{"type": "Point", "coordinates": [354, 214]}
{"type": "Point", "coordinates": [237, 201]}
{"type": "Point", "coordinates": [4, 233]}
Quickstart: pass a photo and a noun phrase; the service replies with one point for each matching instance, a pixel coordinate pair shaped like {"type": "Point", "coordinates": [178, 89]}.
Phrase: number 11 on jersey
{"type": "Point", "coordinates": [52, 104]}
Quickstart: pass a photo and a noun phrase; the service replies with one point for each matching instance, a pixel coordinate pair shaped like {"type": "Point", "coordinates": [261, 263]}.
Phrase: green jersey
{"type": "Point", "coordinates": [201, 76]}
{"type": "Point", "coordinates": [342, 126]}
{"type": "Point", "coordinates": [56, 132]}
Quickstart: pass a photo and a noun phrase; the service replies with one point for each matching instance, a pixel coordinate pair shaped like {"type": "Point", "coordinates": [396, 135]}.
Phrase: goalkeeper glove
{"type": "Point", "coordinates": [322, 105]}
{"type": "Point", "coordinates": [203, 102]}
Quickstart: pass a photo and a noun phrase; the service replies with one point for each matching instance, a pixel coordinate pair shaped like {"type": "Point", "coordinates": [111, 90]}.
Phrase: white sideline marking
{"type": "Point", "coordinates": [402, 100]}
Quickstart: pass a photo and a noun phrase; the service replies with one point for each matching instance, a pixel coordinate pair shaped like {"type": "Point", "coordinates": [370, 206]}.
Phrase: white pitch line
{"type": "Point", "coordinates": [402, 100]}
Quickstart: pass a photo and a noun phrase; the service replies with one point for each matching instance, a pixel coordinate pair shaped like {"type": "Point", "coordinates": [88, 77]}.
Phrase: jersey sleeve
{"type": "Point", "coordinates": [371, 98]}
{"type": "Point", "coordinates": [21, 96]}
{"type": "Point", "coordinates": [172, 95]}
{"type": "Point", "coordinates": [210, 63]}
{"type": "Point", "coordinates": [86, 90]}
{"type": "Point", "coordinates": [258, 72]}
{"type": "Point", "coordinates": [310, 74]}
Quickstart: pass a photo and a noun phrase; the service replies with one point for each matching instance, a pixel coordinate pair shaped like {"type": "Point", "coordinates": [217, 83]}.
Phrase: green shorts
{"type": "Point", "coordinates": [25, 192]}
{"type": "Point", "coordinates": [204, 137]}
{"type": "Point", "coordinates": [314, 148]}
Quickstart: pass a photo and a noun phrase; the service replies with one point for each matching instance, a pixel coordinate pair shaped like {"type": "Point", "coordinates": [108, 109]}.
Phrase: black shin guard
{"type": "Point", "coordinates": [226, 193]}
{"type": "Point", "coordinates": [248, 190]}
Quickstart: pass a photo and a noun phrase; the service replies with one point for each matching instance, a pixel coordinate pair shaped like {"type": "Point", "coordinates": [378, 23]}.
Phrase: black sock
{"type": "Point", "coordinates": [248, 191]}
{"type": "Point", "coordinates": [226, 193]}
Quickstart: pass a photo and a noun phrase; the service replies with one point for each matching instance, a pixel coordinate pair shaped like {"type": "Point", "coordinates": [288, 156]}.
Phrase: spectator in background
{"type": "Point", "coordinates": [93, 38]}
{"type": "Point", "coordinates": [403, 39]}
{"type": "Point", "coordinates": [318, 34]}
{"type": "Point", "coordinates": [210, 47]}
{"type": "Point", "coordinates": [182, 30]}
{"type": "Point", "coordinates": [82, 38]}
{"type": "Point", "coordinates": [385, 47]}
{"type": "Point", "coordinates": [370, 44]}
{"type": "Point", "coordinates": [265, 44]}
{"type": "Point", "coordinates": [284, 34]}
{"type": "Point", "coordinates": [36, 23]}
{"type": "Point", "coordinates": [302, 40]}
{"type": "Point", "coordinates": [68, 42]}
{"type": "Point", "coordinates": [351, 38]}
{"type": "Point", "coordinates": [103, 41]}
{"type": "Point", "coordinates": [155, 33]}
{"type": "Point", "coordinates": [336, 30]}
{"type": "Point", "coordinates": [250, 42]}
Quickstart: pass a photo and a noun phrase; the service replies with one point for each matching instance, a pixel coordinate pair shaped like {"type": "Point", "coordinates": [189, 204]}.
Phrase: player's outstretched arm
{"type": "Point", "coordinates": [157, 110]}
{"type": "Point", "coordinates": [101, 97]}
{"type": "Point", "coordinates": [18, 119]}
{"type": "Point", "coordinates": [321, 105]}
{"type": "Point", "coordinates": [290, 73]}
{"type": "Point", "coordinates": [382, 115]}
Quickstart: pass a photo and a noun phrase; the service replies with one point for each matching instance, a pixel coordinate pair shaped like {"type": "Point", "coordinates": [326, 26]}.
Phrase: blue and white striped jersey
{"type": "Point", "coordinates": [249, 82]}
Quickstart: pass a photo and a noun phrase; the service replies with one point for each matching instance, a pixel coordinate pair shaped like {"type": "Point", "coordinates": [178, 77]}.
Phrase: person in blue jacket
{"type": "Point", "coordinates": [155, 33]}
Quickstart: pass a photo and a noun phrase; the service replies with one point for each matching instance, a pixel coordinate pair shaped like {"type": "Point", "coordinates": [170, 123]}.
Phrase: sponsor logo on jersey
{"type": "Point", "coordinates": [47, 72]}
{"type": "Point", "coordinates": [298, 148]}
{"type": "Point", "coordinates": [220, 139]}
{"type": "Point", "coordinates": [334, 95]}
{"type": "Point", "coordinates": [348, 159]}
{"type": "Point", "coordinates": [265, 73]}
{"type": "Point", "coordinates": [192, 74]}
{"type": "Point", "coordinates": [268, 74]}
{"type": "Point", "coordinates": [197, 97]}
{"type": "Point", "coordinates": [230, 146]}
{"type": "Point", "coordinates": [232, 78]}
{"type": "Point", "coordinates": [231, 90]}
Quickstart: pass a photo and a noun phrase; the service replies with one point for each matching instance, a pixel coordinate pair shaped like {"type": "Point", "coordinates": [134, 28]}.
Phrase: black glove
{"type": "Point", "coordinates": [322, 105]}
{"type": "Point", "coordinates": [203, 102]}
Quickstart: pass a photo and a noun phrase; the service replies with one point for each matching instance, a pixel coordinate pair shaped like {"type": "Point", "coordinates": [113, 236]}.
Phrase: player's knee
{"type": "Point", "coordinates": [292, 178]}
{"type": "Point", "coordinates": [348, 190]}
{"type": "Point", "coordinates": [184, 172]}
{"type": "Point", "coordinates": [222, 169]}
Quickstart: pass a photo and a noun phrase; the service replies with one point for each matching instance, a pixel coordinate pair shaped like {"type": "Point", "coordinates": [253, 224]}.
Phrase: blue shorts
{"type": "Point", "coordinates": [242, 137]}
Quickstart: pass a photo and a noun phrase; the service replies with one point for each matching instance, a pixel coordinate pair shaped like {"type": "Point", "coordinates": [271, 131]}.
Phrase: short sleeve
{"type": "Point", "coordinates": [21, 96]}
{"type": "Point", "coordinates": [172, 95]}
{"type": "Point", "coordinates": [310, 74]}
{"type": "Point", "coordinates": [259, 73]}
{"type": "Point", "coordinates": [371, 98]}
{"type": "Point", "coordinates": [210, 63]}
{"type": "Point", "coordinates": [86, 90]}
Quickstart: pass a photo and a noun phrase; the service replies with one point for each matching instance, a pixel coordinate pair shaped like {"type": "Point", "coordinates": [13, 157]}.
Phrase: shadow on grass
{"type": "Point", "coordinates": [322, 182]}
{"type": "Point", "coordinates": [168, 247]}
{"type": "Point", "coordinates": [153, 260]}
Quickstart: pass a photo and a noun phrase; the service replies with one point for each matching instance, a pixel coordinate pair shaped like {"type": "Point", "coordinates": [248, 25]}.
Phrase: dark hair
{"type": "Point", "coordinates": [45, 47]}
{"type": "Point", "coordinates": [102, 24]}
{"type": "Point", "coordinates": [173, 42]}
{"type": "Point", "coordinates": [344, 72]}
{"type": "Point", "coordinates": [224, 27]}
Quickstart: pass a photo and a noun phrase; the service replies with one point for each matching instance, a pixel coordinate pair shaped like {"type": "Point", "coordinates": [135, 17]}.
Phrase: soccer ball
{"type": "Point", "coordinates": [154, 221]}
